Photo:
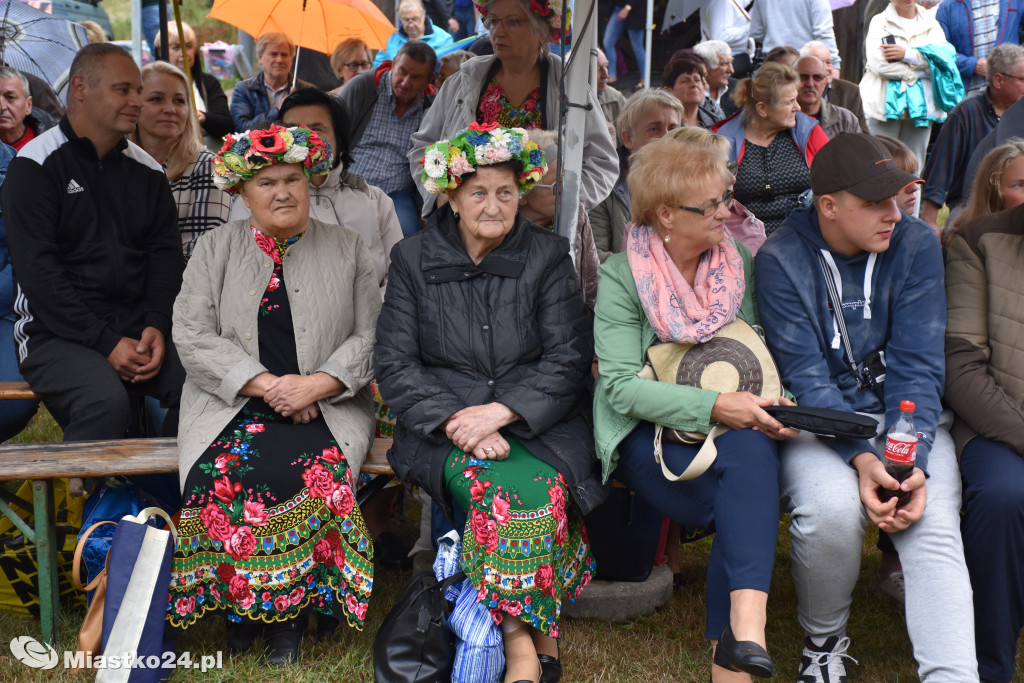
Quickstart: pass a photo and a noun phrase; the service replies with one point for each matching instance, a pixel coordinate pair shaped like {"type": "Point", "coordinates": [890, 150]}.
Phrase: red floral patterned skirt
{"type": "Point", "coordinates": [269, 526]}
{"type": "Point", "coordinates": [524, 546]}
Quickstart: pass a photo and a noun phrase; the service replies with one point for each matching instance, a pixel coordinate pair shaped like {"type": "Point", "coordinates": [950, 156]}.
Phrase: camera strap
{"type": "Point", "coordinates": [830, 272]}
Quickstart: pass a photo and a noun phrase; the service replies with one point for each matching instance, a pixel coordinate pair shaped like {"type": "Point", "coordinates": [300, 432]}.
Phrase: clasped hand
{"type": "Point", "coordinates": [886, 515]}
{"type": "Point", "coordinates": [474, 429]}
{"type": "Point", "coordinates": [744, 410]}
{"type": "Point", "coordinates": [138, 360]}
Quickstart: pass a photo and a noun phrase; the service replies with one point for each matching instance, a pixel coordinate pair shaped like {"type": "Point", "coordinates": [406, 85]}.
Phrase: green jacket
{"type": "Point", "coordinates": [622, 334]}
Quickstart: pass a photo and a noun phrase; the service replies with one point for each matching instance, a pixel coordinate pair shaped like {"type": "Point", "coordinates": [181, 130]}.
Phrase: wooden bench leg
{"type": "Point", "coordinates": [46, 558]}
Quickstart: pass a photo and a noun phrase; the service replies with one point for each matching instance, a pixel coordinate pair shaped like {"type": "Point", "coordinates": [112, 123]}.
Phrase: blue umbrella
{"type": "Point", "coordinates": [35, 42]}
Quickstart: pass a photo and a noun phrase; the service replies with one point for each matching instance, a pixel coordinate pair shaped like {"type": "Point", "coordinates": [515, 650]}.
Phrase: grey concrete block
{"type": "Point", "coordinates": [621, 600]}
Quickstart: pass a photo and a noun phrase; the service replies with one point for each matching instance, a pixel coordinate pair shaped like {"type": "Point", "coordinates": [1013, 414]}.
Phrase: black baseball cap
{"type": "Point", "coordinates": [859, 164]}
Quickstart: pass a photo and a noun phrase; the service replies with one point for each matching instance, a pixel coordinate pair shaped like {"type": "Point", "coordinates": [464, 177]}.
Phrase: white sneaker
{"type": "Point", "coordinates": [892, 586]}
{"type": "Point", "coordinates": [824, 664]}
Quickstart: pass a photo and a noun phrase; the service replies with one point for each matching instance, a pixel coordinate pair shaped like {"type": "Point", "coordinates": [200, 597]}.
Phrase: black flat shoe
{"type": "Point", "coordinates": [745, 655]}
{"type": "Point", "coordinates": [242, 634]}
{"type": "Point", "coordinates": [551, 667]}
{"type": "Point", "coordinates": [283, 639]}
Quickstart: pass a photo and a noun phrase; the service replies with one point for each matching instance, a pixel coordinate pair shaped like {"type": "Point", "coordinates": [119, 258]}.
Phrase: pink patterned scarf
{"type": "Point", "coordinates": [678, 312]}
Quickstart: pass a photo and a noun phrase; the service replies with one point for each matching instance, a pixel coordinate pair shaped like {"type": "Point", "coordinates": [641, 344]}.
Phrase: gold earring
{"type": "Point", "coordinates": [667, 237]}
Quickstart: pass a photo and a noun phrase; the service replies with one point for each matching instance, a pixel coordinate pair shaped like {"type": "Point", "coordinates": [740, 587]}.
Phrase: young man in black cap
{"type": "Point", "coordinates": [886, 270]}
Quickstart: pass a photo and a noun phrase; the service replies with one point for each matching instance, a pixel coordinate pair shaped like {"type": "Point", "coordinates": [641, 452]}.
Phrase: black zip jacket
{"type": "Point", "coordinates": [513, 329]}
{"type": "Point", "coordinates": [94, 242]}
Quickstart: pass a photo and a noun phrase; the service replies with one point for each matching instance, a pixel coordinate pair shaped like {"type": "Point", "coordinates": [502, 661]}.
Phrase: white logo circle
{"type": "Point", "coordinates": [31, 652]}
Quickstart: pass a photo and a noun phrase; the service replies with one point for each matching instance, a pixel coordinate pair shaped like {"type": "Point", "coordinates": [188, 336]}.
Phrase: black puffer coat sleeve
{"type": "Point", "coordinates": [411, 389]}
{"type": "Point", "coordinates": [550, 386]}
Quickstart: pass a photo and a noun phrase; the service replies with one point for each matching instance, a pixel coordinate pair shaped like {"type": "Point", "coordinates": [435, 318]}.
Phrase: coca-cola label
{"type": "Point", "coordinates": [902, 451]}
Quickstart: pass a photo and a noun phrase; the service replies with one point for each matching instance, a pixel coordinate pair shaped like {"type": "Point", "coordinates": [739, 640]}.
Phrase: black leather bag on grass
{"type": "Point", "coordinates": [414, 643]}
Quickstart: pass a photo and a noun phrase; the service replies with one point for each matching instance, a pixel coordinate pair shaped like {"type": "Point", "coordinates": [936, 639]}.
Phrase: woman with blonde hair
{"type": "Point", "coordinates": [998, 184]}
{"type": "Point", "coordinates": [744, 225]}
{"type": "Point", "coordinates": [350, 58]}
{"type": "Point", "coordinates": [169, 132]}
{"type": "Point", "coordinates": [681, 279]}
{"type": "Point", "coordinates": [211, 102]}
{"type": "Point", "coordinates": [773, 143]}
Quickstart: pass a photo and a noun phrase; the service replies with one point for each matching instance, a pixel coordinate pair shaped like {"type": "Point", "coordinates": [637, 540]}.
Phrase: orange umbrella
{"type": "Point", "coordinates": [315, 24]}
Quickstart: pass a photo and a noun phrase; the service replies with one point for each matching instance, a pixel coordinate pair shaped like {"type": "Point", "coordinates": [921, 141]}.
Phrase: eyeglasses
{"type": "Point", "coordinates": [357, 65]}
{"type": "Point", "coordinates": [732, 166]}
{"type": "Point", "coordinates": [1019, 78]}
{"type": "Point", "coordinates": [411, 20]}
{"type": "Point", "coordinates": [511, 23]}
{"type": "Point", "coordinates": [725, 201]}
{"type": "Point", "coordinates": [817, 78]}
{"type": "Point", "coordinates": [546, 186]}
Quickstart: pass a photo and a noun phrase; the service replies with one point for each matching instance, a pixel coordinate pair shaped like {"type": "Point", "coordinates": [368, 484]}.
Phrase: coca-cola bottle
{"type": "Point", "coordinates": [900, 452]}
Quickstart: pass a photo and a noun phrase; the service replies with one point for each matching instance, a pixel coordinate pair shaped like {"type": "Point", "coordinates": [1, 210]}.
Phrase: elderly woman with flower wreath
{"type": "Point", "coordinates": [483, 351]}
{"type": "Point", "coordinates": [517, 87]}
{"type": "Point", "coordinates": [275, 327]}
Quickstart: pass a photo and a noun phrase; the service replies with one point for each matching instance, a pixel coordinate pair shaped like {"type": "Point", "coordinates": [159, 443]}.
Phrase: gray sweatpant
{"type": "Point", "coordinates": [827, 528]}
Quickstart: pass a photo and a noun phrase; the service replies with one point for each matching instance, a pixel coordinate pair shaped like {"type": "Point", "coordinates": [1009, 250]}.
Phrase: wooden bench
{"type": "Point", "coordinates": [17, 391]}
{"type": "Point", "coordinates": [41, 463]}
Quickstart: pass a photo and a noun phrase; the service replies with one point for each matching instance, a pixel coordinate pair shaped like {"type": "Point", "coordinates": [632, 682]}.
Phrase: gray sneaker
{"type": "Point", "coordinates": [892, 586]}
{"type": "Point", "coordinates": [824, 664]}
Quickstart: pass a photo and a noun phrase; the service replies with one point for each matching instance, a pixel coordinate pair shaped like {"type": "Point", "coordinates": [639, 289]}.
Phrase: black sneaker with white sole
{"type": "Point", "coordinates": [824, 664]}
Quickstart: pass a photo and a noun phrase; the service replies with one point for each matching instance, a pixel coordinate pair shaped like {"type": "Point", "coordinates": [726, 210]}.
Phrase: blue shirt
{"type": "Point", "coordinates": [380, 156]}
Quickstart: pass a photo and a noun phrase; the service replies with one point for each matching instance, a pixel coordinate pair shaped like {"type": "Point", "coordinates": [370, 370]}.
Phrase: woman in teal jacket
{"type": "Point", "coordinates": [681, 279]}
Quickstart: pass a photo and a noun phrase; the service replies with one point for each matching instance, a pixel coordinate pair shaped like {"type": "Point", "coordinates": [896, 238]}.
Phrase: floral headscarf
{"type": "Point", "coordinates": [246, 154]}
{"type": "Point", "coordinates": [447, 161]}
{"type": "Point", "coordinates": [548, 11]}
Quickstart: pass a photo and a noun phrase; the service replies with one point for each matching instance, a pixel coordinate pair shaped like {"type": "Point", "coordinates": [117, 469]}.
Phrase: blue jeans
{"type": "Point", "coordinates": [467, 22]}
{"type": "Point", "coordinates": [993, 531]}
{"type": "Point", "coordinates": [408, 213]}
{"type": "Point", "coordinates": [737, 498]}
{"type": "Point", "coordinates": [14, 415]}
{"type": "Point", "coordinates": [612, 32]}
{"type": "Point", "coordinates": [151, 25]}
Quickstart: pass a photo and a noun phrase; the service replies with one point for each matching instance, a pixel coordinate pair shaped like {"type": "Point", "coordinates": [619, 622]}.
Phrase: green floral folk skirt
{"type": "Point", "coordinates": [269, 526]}
{"type": "Point", "coordinates": [524, 546]}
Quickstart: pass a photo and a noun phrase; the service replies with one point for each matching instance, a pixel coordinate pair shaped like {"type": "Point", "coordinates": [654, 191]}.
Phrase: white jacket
{"type": "Point", "coordinates": [913, 67]}
{"type": "Point", "coordinates": [347, 200]}
{"type": "Point", "coordinates": [455, 107]}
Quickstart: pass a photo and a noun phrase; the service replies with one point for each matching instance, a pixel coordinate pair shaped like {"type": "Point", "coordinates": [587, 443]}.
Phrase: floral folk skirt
{"type": "Point", "coordinates": [269, 526]}
{"type": "Point", "coordinates": [524, 546]}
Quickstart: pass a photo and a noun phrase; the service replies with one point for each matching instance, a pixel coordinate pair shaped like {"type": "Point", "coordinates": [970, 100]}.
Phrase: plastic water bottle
{"type": "Point", "coordinates": [900, 452]}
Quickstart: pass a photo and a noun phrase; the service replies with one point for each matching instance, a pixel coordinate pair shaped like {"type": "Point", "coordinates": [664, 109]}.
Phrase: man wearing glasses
{"type": "Point", "coordinates": [813, 81]}
{"type": "Point", "coordinates": [945, 177]}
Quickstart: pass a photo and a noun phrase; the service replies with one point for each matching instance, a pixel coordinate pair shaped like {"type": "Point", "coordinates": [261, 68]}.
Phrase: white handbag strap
{"type": "Point", "coordinates": [146, 513]}
{"type": "Point", "coordinates": [700, 463]}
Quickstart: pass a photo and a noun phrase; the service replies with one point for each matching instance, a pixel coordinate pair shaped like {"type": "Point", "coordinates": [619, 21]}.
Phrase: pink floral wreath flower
{"type": "Point", "coordinates": [446, 162]}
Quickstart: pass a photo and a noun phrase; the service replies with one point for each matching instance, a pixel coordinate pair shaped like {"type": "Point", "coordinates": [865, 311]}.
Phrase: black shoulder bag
{"type": "Point", "coordinates": [414, 643]}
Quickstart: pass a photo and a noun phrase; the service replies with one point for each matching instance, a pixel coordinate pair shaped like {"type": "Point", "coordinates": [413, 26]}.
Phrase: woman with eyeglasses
{"type": "Point", "coordinates": [414, 25]}
{"type": "Point", "coordinates": [350, 58]}
{"type": "Point", "coordinates": [516, 87]}
{"type": "Point", "coordinates": [890, 46]}
{"type": "Point", "coordinates": [681, 279]}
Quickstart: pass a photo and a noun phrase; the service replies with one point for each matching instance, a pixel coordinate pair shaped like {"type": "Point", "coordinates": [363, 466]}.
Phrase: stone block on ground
{"type": "Point", "coordinates": [622, 600]}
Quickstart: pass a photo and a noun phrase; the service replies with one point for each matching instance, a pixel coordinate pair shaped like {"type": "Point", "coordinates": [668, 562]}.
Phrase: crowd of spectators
{"type": "Point", "coordinates": [148, 231]}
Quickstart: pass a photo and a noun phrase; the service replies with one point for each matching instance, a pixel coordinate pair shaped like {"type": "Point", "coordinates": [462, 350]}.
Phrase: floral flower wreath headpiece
{"type": "Point", "coordinates": [447, 161]}
{"type": "Point", "coordinates": [245, 154]}
{"type": "Point", "coordinates": [548, 11]}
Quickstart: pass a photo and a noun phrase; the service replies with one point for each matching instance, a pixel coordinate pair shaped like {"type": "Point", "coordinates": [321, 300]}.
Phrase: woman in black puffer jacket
{"type": "Point", "coordinates": [484, 347]}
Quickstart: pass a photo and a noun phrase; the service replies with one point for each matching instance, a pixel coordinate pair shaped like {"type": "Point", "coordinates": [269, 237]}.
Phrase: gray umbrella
{"type": "Point", "coordinates": [677, 11]}
{"type": "Point", "coordinates": [39, 43]}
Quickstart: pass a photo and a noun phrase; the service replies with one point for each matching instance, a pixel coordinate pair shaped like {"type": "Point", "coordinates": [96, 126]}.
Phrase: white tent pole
{"type": "Point", "coordinates": [578, 86]}
{"type": "Point", "coordinates": [137, 32]}
{"type": "Point", "coordinates": [649, 38]}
